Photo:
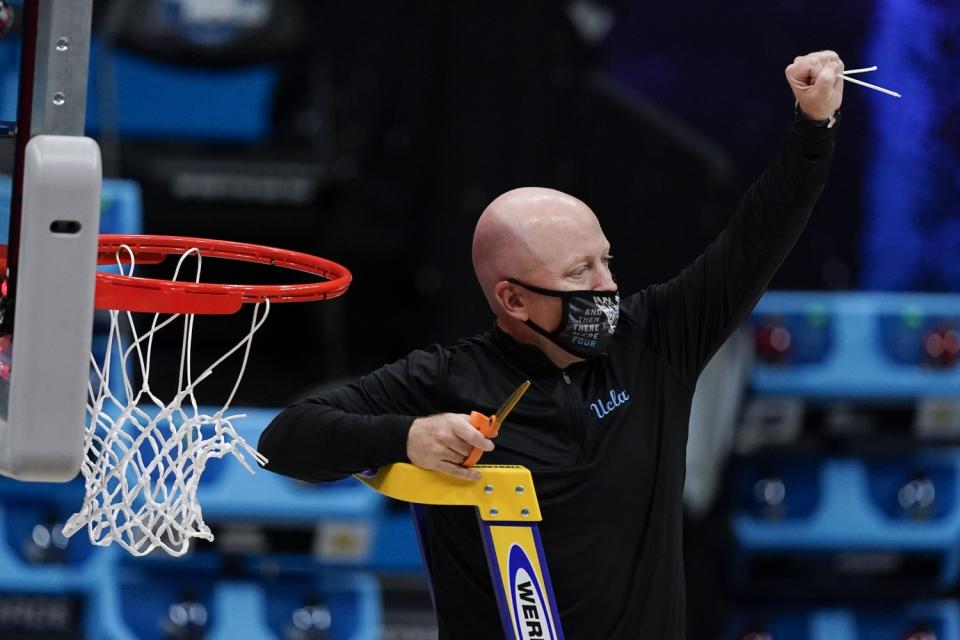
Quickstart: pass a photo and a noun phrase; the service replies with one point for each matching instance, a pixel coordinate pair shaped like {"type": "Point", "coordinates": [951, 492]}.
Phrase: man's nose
{"type": "Point", "coordinates": [604, 280]}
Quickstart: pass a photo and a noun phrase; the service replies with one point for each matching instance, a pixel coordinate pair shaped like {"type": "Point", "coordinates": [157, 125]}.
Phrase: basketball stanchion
{"type": "Point", "coordinates": [143, 455]}
{"type": "Point", "coordinates": [507, 514]}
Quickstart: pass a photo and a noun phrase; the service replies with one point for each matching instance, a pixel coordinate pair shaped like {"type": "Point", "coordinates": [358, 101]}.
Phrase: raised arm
{"type": "Point", "coordinates": [687, 318]}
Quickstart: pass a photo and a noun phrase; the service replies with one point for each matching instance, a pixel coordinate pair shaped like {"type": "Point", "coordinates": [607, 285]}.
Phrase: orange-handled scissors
{"type": "Point", "coordinates": [490, 425]}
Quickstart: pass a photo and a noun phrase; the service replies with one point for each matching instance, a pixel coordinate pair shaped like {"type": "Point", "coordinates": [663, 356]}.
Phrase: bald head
{"type": "Point", "coordinates": [531, 233]}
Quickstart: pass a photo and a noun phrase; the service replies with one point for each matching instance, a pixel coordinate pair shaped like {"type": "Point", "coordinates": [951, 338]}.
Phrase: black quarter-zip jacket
{"type": "Point", "coordinates": [605, 439]}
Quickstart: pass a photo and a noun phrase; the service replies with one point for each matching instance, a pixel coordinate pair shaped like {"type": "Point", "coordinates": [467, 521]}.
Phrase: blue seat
{"type": "Point", "coordinates": [852, 345]}
{"type": "Point", "coordinates": [840, 525]}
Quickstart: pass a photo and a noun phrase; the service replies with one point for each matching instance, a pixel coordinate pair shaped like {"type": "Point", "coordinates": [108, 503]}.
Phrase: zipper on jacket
{"type": "Point", "coordinates": [572, 398]}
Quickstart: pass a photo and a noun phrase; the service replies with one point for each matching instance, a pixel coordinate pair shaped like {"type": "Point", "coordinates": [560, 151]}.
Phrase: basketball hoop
{"type": "Point", "coordinates": [144, 455]}
{"type": "Point", "coordinates": [123, 292]}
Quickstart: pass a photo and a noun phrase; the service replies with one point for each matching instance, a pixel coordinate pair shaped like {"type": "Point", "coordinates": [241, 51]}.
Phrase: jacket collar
{"type": "Point", "coordinates": [528, 357]}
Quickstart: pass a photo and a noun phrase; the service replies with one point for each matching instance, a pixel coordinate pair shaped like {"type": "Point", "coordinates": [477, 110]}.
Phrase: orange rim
{"type": "Point", "coordinates": [134, 293]}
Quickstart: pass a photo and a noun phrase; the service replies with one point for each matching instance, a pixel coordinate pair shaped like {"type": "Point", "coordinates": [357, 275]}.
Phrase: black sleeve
{"type": "Point", "coordinates": [688, 318]}
{"type": "Point", "coordinates": [360, 426]}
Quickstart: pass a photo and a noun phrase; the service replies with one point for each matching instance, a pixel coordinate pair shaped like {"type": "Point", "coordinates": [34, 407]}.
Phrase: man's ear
{"type": "Point", "coordinates": [510, 300]}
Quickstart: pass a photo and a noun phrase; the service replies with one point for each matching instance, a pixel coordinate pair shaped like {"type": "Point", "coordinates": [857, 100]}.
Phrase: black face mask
{"type": "Point", "coordinates": [587, 322]}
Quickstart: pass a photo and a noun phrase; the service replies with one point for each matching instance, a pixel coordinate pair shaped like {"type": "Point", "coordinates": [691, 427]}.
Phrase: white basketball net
{"type": "Point", "coordinates": [143, 455]}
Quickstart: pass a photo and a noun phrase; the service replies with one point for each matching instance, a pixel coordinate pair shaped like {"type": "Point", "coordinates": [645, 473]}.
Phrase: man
{"type": "Point", "coordinates": [604, 426]}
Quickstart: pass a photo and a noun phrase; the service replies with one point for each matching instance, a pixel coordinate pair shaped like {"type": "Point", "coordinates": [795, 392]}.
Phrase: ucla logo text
{"type": "Point", "coordinates": [602, 407]}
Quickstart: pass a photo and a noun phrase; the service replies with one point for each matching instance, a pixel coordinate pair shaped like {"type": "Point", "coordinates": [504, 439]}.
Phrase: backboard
{"type": "Point", "coordinates": [46, 306]}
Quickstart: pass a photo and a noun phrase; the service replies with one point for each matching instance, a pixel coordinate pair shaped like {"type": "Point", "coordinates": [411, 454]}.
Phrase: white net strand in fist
{"type": "Point", "coordinates": [144, 456]}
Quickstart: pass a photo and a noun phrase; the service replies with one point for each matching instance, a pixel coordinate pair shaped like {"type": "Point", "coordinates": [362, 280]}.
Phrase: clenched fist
{"type": "Point", "coordinates": [442, 442]}
{"type": "Point", "coordinates": [816, 83]}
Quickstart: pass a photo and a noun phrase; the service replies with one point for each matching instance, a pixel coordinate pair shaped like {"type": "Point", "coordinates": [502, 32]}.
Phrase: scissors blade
{"type": "Point", "coordinates": [511, 402]}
